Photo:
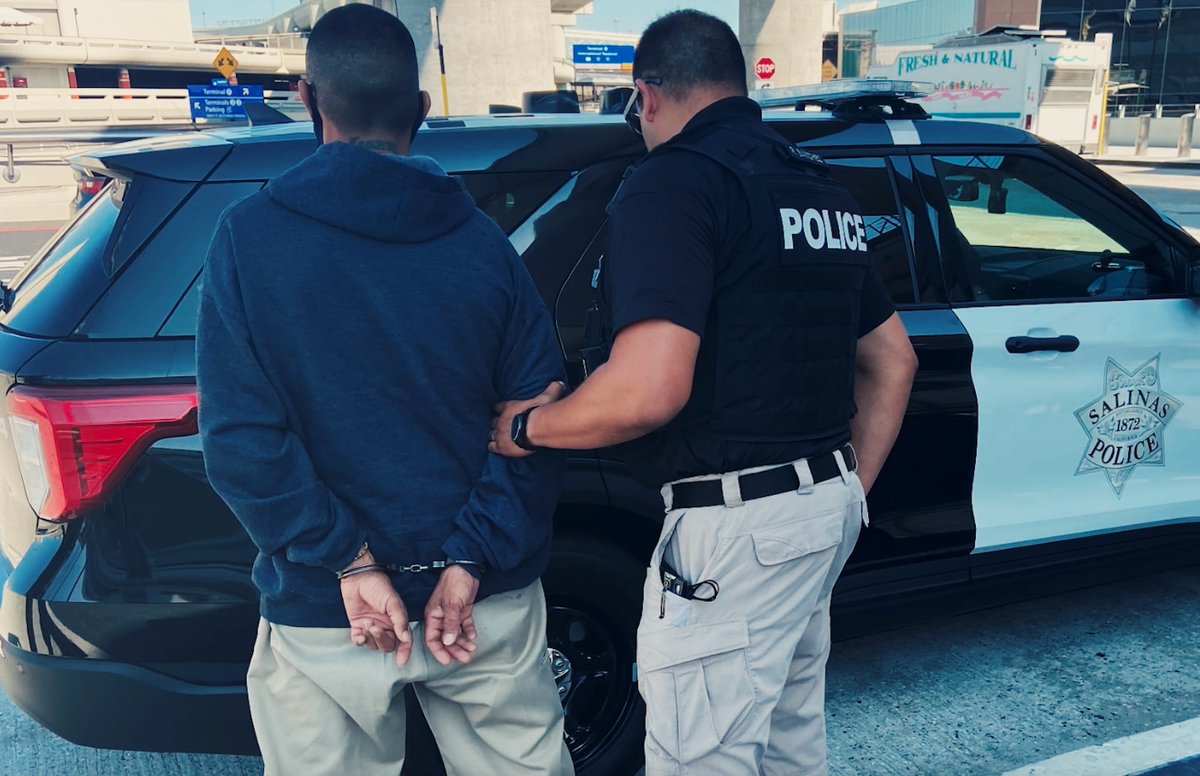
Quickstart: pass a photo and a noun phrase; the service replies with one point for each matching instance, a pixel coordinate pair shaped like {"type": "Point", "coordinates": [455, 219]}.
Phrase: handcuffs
{"type": "Point", "coordinates": [416, 568]}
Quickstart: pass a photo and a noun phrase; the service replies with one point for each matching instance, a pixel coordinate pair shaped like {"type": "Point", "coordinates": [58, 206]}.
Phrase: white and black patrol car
{"type": "Point", "coordinates": [1052, 439]}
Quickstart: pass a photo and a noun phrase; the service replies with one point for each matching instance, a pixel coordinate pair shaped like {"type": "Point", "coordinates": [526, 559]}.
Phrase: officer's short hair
{"type": "Point", "coordinates": [363, 63]}
{"type": "Point", "coordinates": [690, 49]}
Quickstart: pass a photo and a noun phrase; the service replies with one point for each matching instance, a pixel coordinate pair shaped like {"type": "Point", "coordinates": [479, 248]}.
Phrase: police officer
{"type": "Point", "coordinates": [751, 341]}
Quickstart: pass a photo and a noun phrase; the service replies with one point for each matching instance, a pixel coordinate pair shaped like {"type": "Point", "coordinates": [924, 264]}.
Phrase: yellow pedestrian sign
{"type": "Point", "coordinates": [225, 62]}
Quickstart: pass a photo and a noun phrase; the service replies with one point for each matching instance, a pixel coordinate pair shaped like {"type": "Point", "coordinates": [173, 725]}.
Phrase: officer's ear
{"type": "Point", "coordinates": [652, 99]}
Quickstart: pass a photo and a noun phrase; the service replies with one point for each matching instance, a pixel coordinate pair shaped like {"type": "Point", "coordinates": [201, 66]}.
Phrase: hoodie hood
{"type": "Point", "coordinates": [393, 199]}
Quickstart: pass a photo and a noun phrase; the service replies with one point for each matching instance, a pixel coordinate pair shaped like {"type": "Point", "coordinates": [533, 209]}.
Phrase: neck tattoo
{"type": "Point", "coordinates": [375, 145]}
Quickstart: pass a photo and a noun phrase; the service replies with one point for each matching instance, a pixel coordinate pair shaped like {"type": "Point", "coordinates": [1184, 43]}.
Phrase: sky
{"type": "Point", "coordinates": [636, 15]}
{"type": "Point", "coordinates": [620, 15]}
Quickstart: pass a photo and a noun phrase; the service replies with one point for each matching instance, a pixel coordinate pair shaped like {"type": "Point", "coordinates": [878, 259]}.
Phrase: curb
{"type": "Point", "coordinates": [1125, 161]}
{"type": "Point", "coordinates": [1152, 753]}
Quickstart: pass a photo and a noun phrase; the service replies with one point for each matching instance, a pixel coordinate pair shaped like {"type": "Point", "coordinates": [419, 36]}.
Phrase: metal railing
{"type": "Point", "coordinates": [54, 108]}
{"type": "Point", "coordinates": [50, 147]}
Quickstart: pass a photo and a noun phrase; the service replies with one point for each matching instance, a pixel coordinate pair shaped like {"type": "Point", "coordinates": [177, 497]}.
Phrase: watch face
{"type": "Point", "coordinates": [519, 429]}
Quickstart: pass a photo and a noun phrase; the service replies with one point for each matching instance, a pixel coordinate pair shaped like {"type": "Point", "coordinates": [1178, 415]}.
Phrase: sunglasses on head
{"type": "Point", "coordinates": [633, 116]}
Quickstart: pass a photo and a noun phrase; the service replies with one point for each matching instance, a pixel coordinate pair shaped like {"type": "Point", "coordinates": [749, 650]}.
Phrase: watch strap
{"type": "Point", "coordinates": [520, 430]}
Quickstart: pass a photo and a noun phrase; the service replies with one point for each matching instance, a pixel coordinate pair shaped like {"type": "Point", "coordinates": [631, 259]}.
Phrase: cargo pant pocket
{"type": "Point", "coordinates": [797, 538]}
{"type": "Point", "coordinates": [696, 685]}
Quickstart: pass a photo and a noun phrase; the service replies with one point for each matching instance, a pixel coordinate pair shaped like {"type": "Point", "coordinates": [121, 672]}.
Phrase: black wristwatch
{"type": "Point", "coordinates": [520, 430]}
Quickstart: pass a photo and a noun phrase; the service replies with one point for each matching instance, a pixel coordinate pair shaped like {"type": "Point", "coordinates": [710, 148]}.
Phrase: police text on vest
{"type": "Point", "coordinates": [838, 230]}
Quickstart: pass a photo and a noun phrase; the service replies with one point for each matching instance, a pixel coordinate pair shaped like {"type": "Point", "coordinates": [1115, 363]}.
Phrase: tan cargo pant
{"type": "Point", "coordinates": [325, 707]}
{"type": "Point", "coordinates": [737, 685]}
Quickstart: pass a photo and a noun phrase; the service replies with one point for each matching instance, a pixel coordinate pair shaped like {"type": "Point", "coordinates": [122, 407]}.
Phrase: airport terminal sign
{"type": "Point", "coordinates": [602, 56]}
{"type": "Point", "coordinates": [222, 101]}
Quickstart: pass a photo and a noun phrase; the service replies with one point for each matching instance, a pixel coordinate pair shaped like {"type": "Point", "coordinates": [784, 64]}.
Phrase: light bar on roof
{"type": "Point", "coordinates": [841, 90]}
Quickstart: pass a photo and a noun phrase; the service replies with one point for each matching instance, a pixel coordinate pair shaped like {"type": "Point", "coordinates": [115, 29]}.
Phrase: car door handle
{"type": "Point", "coordinates": [1064, 344]}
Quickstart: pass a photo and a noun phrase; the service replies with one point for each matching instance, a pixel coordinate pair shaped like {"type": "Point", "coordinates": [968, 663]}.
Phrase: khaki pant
{"type": "Point", "coordinates": [324, 707]}
{"type": "Point", "coordinates": [737, 685]}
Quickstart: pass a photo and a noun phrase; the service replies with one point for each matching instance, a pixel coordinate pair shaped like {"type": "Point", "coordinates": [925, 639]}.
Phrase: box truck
{"type": "Point", "coordinates": [1033, 79]}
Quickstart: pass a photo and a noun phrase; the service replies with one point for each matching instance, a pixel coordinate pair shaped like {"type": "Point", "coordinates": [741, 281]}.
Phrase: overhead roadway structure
{"type": "Point", "coordinates": [788, 33]}
{"type": "Point", "coordinates": [504, 42]}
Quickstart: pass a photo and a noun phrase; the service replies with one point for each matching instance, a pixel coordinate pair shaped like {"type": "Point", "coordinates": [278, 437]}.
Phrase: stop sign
{"type": "Point", "coordinates": [764, 68]}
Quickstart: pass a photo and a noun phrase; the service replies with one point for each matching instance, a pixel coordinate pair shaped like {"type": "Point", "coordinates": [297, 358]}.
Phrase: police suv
{"type": "Point", "coordinates": [1052, 439]}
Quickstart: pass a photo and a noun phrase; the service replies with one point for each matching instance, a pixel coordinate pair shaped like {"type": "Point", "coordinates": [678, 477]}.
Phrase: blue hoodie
{"type": "Point", "coordinates": [359, 320]}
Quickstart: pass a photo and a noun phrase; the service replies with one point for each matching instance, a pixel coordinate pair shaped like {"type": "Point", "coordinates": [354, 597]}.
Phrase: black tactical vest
{"type": "Point", "coordinates": [777, 358]}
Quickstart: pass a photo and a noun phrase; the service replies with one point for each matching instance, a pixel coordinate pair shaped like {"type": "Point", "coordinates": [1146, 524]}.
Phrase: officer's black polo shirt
{"type": "Point", "coordinates": [674, 220]}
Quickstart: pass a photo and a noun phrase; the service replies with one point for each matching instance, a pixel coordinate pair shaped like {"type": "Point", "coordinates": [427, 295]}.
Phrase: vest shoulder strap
{"type": "Point", "coordinates": [758, 161]}
{"type": "Point", "coordinates": [748, 154]}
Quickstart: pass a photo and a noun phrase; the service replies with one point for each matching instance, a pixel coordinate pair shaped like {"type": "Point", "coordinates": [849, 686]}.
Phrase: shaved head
{"type": "Point", "coordinates": [362, 63]}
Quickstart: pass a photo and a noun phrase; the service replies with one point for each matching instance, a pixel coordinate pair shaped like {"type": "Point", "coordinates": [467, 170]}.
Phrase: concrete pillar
{"type": "Point", "coordinates": [495, 51]}
{"type": "Point", "coordinates": [788, 32]}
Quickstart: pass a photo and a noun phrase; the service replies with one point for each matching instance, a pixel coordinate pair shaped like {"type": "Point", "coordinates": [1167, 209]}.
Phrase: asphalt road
{"type": "Point", "coordinates": [986, 693]}
{"type": "Point", "coordinates": [974, 695]}
{"type": "Point", "coordinates": [1173, 190]}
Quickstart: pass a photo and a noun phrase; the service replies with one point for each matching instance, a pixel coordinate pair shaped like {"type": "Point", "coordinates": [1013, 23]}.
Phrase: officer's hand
{"type": "Point", "coordinates": [449, 624]}
{"type": "Point", "coordinates": [500, 437]}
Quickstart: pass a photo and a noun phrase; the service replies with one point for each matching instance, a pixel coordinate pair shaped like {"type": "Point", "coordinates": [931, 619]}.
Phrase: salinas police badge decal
{"type": "Point", "coordinates": [1125, 426]}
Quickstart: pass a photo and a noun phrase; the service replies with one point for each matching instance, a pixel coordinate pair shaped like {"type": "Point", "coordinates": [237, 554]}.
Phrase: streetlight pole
{"type": "Point", "coordinates": [435, 22]}
{"type": "Point", "coordinates": [1162, 83]}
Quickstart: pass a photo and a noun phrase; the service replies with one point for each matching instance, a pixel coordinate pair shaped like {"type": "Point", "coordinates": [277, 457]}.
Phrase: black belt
{"type": "Point", "coordinates": [771, 482]}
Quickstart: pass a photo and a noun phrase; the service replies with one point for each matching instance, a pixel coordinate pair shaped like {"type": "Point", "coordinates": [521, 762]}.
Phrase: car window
{"type": "Point", "coordinates": [871, 185]}
{"type": "Point", "coordinates": [64, 278]}
{"type": "Point", "coordinates": [508, 198]}
{"type": "Point", "coordinates": [185, 317]}
{"type": "Point", "coordinates": [154, 280]}
{"type": "Point", "coordinates": [1027, 231]}
{"type": "Point", "coordinates": [561, 245]}
{"type": "Point", "coordinates": [151, 201]}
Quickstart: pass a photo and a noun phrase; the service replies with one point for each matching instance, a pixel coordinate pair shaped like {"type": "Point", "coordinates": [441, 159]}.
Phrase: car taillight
{"type": "Point", "coordinates": [75, 445]}
{"type": "Point", "coordinates": [91, 185]}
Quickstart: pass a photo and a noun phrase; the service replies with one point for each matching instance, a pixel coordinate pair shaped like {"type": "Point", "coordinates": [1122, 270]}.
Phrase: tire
{"type": "Point", "coordinates": [594, 600]}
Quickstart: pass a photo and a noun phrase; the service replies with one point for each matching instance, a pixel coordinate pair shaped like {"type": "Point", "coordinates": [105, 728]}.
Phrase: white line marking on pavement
{"type": "Point", "coordinates": [1123, 756]}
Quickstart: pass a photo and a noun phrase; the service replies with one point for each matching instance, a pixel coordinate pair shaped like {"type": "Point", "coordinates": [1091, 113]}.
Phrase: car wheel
{"type": "Point", "coordinates": [593, 600]}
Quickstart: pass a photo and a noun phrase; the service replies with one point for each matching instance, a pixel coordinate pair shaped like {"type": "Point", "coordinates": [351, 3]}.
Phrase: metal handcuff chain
{"type": "Point", "coordinates": [416, 568]}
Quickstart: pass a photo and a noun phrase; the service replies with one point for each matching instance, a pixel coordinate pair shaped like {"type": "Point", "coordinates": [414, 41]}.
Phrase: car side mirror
{"type": "Point", "coordinates": [961, 189]}
{"type": "Point", "coordinates": [998, 200]}
{"type": "Point", "coordinates": [1193, 273]}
